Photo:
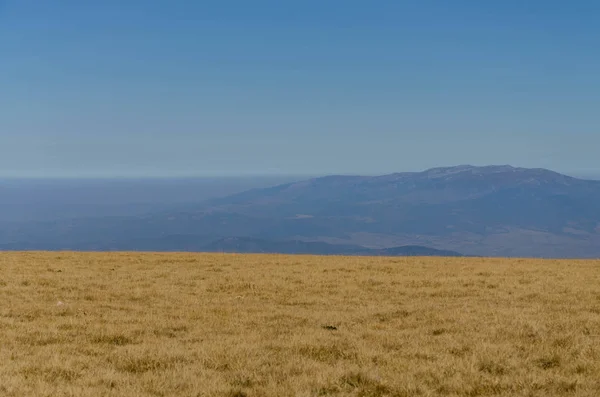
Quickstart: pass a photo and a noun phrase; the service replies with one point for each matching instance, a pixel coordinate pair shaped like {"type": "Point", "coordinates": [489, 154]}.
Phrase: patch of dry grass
{"type": "Point", "coordinates": [130, 324]}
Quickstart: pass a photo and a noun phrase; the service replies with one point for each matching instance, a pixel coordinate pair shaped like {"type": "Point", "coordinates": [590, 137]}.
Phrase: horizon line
{"type": "Point", "coordinates": [184, 176]}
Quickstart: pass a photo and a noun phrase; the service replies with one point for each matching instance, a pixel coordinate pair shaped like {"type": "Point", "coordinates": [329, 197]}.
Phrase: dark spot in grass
{"type": "Point", "coordinates": [460, 351]}
{"type": "Point", "coordinates": [492, 368]}
{"type": "Point", "coordinates": [439, 331]}
{"type": "Point", "coordinates": [548, 362]}
{"type": "Point", "coordinates": [117, 340]}
{"type": "Point", "coordinates": [171, 332]}
{"type": "Point", "coordinates": [443, 390]}
{"type": "Point", "coordinates": [562, 342]}
{"type": "Point", "coordinates": [330, 327]}
{"type": "Point", "coordinates": [237, 393]}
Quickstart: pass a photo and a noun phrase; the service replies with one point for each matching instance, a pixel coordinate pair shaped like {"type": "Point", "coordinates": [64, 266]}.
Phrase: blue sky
{"type": "Point", "coordinates": [180, 88]}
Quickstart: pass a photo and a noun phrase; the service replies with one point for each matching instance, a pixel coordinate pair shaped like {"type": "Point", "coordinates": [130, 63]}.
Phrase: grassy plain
{"type": "Point", "coordinates": [132, 324]}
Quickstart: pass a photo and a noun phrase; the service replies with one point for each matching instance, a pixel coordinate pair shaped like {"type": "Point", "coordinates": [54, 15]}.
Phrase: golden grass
{"type": "Point", "coordinates": [111, 324]}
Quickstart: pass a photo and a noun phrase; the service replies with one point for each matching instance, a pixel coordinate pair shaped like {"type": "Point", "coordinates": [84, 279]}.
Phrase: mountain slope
{"type": "Point", "coordinates": [493, 210]}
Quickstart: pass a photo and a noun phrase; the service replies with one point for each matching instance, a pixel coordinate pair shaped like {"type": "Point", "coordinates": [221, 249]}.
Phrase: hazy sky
{"type": "Point", "coordinates": [143, 88]}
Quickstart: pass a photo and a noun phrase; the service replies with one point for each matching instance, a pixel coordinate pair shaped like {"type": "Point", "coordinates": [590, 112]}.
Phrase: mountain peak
{"type": "Point", "coordinates": [506, 172]}
{"type": "Point", "coordinates": [486, 169]}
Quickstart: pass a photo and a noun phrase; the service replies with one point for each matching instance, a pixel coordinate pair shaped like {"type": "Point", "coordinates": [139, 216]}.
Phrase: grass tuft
{"type": "Point", "coordinates": [549, 362]}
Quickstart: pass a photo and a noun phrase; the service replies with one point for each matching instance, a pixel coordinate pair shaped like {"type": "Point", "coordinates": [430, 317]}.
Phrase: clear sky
{"type": "Point", "coordinates": [179, 88]}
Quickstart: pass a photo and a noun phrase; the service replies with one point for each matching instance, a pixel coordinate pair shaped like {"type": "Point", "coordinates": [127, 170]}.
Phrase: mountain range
{"type": "Point", "coordinates": [486, 211]}
{"type": "Point", "coordinates": [252, 245]}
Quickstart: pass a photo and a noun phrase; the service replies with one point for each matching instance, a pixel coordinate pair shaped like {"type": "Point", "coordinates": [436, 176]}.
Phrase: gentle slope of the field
{"type": "Point", "coordinates": [257, 325]}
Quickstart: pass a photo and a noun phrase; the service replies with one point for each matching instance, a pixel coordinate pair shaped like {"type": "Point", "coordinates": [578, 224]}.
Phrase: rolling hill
{"type": "Point", "coordinates": [253, 245]}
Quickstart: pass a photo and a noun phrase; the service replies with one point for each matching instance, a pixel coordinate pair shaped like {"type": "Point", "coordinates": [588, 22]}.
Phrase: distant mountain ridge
{"type": "Point", "coordinates": [485, 211]}
{"type": "Point", "coordinates": [187, 243]}
{"type": "Point", "coordinates": [252, 245]}
{"type": "Point", "coordinates": [490, 210]}
{"type": "Point", "coordinates": [467, 179]}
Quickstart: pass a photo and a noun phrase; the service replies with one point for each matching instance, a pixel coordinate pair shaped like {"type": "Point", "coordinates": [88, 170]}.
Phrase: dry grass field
{"type": "Point", "coordinates": [112, 324]}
